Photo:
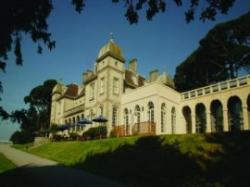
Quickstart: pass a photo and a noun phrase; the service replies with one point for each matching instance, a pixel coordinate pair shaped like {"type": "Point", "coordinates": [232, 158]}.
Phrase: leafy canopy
{"type": "Point", "coordinates": [223, 53]}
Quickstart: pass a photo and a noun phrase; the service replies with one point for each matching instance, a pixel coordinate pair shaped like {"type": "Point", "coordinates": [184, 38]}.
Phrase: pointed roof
{"type": "Point", "coordinates": [110, 49]}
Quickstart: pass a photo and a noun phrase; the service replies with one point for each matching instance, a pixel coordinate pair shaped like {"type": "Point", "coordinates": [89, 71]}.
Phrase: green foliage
{"type": "Point", "coordinates": [207, 11]}
{"type": "Point", "coordinates": [222, 54]}
{"type": "Point", "coordinates": [22, 137]}
{"type": "Point", "coordinates": [96, 132]}
{"type": "Point", "coordinates": [3, 114]}
{"type": "Point", "coordinates": [5, 164]}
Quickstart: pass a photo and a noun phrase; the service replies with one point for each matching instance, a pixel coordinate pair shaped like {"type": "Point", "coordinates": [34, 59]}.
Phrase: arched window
{"type": "Point", "coordinates": [235, 115]}
{"type": "Point", "coordinates": [173, 120]}
{"type": "Point", "coordinates": [74, 120]}
{"type": "Point", "coordinates": [201, 120]}
{"type": "Point", "coordinates": [188, 118]}
{"type": "Point", "coordinates": [216, 116]}
{"type": "Point", "coordinates": [150, 112]}
{"type": "Point", "coordinates": [69, 120]}
{"type": "Point", "coordinates": [163, 117]}
{"type": "Point", "coordinates": [114, 116]}
{"type": "Point", "coordinates": [82, 116]}
{"type": "Point", "coordinates": [78, 118]}
{"type": "Point", "coordinates": [126, 121]}
{"type": "Point", "coordinates": [137, 114]}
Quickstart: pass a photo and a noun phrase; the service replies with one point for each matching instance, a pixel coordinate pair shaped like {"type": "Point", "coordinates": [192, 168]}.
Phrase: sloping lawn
{"type": "Point", "coordinates": [5, 164]}
{"type": "Point", "coordinates": [170, 160]}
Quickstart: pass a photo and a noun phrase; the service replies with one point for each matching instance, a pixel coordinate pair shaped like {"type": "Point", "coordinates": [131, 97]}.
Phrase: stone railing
{"type": "Point", "coordinates": [218, 87]}
{"type": "Point", "coordinates": [74, 110]}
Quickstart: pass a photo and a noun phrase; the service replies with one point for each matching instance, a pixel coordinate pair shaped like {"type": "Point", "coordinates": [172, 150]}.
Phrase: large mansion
{"type": "Point", "coordinates": [135, 105]}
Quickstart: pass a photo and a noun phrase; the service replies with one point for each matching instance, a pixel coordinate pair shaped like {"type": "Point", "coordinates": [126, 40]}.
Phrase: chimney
{"type": "Point", "coordinates": [132, 66]}
{"type": "Point", "coordinates": [153, 75]}
{"type": "Point", "coordinates": [86, 75]}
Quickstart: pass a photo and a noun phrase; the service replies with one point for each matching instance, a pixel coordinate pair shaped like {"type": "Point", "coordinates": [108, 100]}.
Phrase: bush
{"type": "Point", "coordinates": [57, 137]}
{"type": "Point", "coordinates": [96, 133]}
{"type": "Point", "coordinates": [73, 136]}
{"type": "Point", "coordinates": [22, 137]}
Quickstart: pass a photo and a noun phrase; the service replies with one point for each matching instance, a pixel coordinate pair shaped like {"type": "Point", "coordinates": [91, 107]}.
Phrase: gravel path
{"type": "Point", "coordinates": [35, 171]}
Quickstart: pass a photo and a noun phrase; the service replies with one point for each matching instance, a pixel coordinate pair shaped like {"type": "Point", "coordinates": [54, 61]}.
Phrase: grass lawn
{"type": "Point", "coordinates": [169, 160]}
{"type": "Point", "coordinates": [5, 164]}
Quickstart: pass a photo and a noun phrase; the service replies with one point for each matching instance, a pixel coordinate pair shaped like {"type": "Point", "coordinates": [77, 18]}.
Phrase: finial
{"type": "Point", "coordinates": [60, 80]}
{"type": "Point", "coordinates": [111, 37]}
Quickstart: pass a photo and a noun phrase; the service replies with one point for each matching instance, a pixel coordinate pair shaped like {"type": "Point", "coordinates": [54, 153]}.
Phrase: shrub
{"type": "Point", "coordinates": [22, 137]}
{"type": "Point", "coordinates": [73, 136]}
{"type": "Point", "coordinates": [96, 132]}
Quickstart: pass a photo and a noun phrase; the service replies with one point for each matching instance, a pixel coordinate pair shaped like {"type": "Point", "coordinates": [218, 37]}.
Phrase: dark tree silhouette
{"type": "Point", "coordinates": [222, 54]}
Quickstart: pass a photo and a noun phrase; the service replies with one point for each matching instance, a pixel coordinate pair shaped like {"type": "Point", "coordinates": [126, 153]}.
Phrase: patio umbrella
{"type": "Point", "coordinates": [63, 127]}
{"type": "Point", "coordinates": [84, 121]}
{"type": "Point", "coordinates": [100, 119]}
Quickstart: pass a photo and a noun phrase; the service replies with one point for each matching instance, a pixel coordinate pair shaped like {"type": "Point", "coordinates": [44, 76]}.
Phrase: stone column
{"type": "Point", "coordinates": [225, 120]}
{"type": "Point", "coordinates": [208, 122]}
{"type": "Point", "coordinates": [193, 123]}
{"type": "Point", "coordinates": [245, 118]}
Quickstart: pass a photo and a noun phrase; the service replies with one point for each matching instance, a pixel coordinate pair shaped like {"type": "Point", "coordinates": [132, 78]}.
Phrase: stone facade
{"type": "Point", "coordinates": [134, 105]}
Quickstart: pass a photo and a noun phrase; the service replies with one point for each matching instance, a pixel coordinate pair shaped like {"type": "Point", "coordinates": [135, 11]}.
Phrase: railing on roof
{"type": "Point", "coordinates": [74, 110]}
{"type": "Point", "coordinates": [218, 87]}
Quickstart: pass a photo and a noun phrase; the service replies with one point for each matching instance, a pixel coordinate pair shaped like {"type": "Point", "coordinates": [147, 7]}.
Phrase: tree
{"type": "Point", "coordinates": [37, 116]}
{"type": "Point", "coordinates": [222, 54]}
{"type": "Point", "coordinates": [40, 99]}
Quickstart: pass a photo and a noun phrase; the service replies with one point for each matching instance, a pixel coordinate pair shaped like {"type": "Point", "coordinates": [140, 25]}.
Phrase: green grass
{"type": "Point", "coordinates": [5, 164]}
{"type": "Point", "coordinates": [171, 160]}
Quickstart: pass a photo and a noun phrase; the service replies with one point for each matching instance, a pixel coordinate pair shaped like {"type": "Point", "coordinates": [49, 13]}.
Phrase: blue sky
{"type": "Point", "coordinates": [162, 44]}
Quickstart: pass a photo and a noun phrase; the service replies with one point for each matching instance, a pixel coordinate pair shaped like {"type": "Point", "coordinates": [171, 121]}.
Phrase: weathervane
{"type": "Point", "coordinates": [111, 36]}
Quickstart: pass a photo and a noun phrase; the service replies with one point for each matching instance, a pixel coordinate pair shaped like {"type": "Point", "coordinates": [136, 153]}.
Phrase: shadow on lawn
{"type": "Point", "coordinates": [233, 166]}
{"type": "Point", "coordinates": [150, 163]}
{"type": "Point", "coordinates": [52, 176]}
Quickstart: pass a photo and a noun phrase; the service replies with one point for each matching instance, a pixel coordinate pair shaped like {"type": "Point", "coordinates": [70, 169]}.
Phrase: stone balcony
{"type": "Point", "coordinates": [74, 110]}
{"type": "Point", "coordinates": [218, 87]}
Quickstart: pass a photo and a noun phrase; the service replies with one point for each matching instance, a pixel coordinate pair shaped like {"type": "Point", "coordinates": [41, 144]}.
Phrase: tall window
{"type": "Point", "coordinates": [92, 91]}
{"type": "Point", "coordinates": [150, 112]}
{"type": "Point", "coordinates": [114, 116]}
{"type": "Point", "coordinates": [78, 118]}
{"type": "Point", "coordinates": [126, 121]}
{"type": "Point", "coordinates": [116, 85]}
{"type": "Point", "coordinates": [102, 85]}
{"type": "Point", "coordinates": [82, 116]}
{"type": "Point", "coordinates": [173, 120]}
{"type": "Point", "coordinates": [101, 110]}
{"type": "Point", "coordinates": [137, 114]}
{"type": "Point", "coordinates": [91, 114]}
{"type": "Point", "coordinates": [163, 117]}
